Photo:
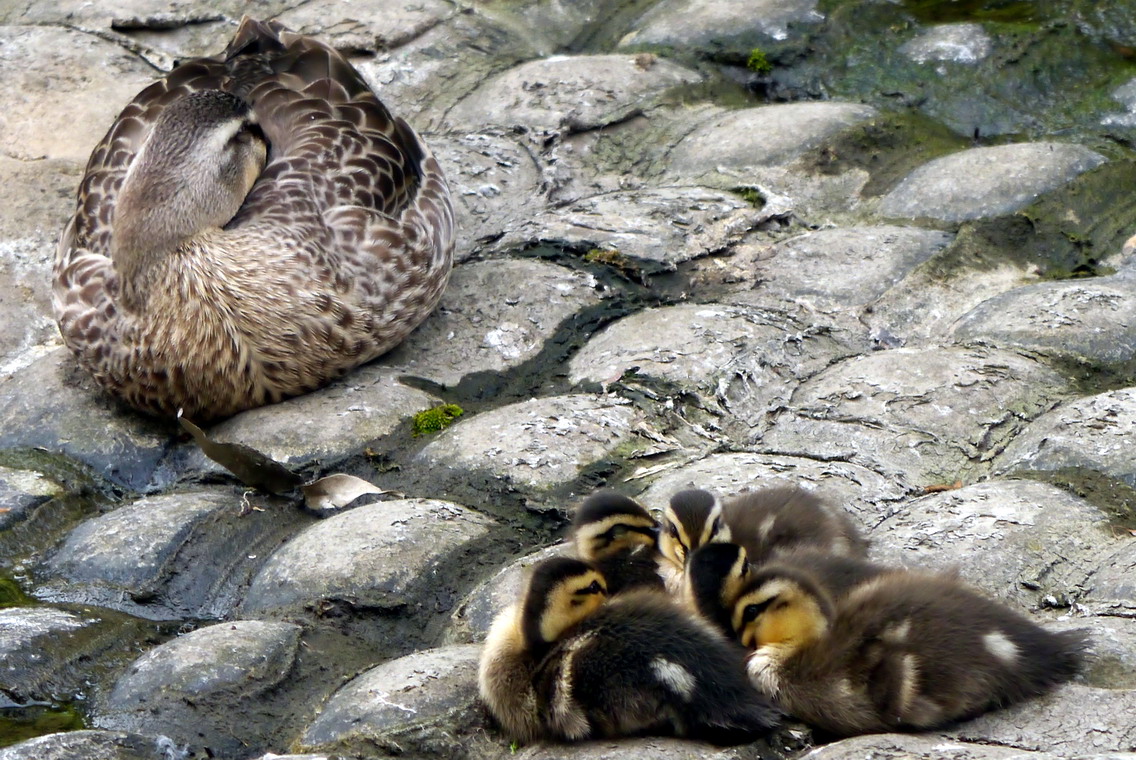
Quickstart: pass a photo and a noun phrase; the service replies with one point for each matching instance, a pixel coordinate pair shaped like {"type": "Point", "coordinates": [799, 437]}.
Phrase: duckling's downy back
{"type": "Point", "coordinates": [340, 248]}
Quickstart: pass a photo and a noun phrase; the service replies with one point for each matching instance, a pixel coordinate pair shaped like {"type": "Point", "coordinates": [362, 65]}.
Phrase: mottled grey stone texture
{"type": "Point", "coordinates": [986, 182]}
{"type": "Point", "coordinates": [539, 443]}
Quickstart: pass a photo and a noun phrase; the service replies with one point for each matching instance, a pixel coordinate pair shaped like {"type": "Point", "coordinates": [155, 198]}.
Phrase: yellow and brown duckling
{"type": "Point", "coordinates": [252, 226]}
{"type": "Point", "coordinates": [766, 522]}
{"type": "Point", "coordinates": [902, 651]}
{"type": "Point", "coordinates": [564, 665]}
{"type": "Point", "coordinates": [618, 536]}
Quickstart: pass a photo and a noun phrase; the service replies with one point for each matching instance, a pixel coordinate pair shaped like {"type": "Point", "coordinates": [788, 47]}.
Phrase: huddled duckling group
{"type": "Point", "coordinates": [715, 619]}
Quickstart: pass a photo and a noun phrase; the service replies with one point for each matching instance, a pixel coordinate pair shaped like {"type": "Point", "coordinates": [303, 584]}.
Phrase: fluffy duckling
{"type": "Point", "coordinates": [903, 651]}
{"type": "Point", "coordinates": [714, 577]}
{"type": "Point", "coordinates": [563, 665]}
{"type": "Point", "coordinates": [766, 522]}
{"type": "Point", "coordinates": [618, 537]}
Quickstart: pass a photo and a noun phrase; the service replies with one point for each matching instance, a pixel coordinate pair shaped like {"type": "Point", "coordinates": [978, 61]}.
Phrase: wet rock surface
{"type": "Point", "coordinates": [874, 249]}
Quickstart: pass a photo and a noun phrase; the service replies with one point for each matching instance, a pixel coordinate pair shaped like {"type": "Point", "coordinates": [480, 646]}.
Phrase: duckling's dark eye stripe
{"type": "Point", "coordinates": [593, 588]}
{"type": "Point", "coordinates": [753, 610]}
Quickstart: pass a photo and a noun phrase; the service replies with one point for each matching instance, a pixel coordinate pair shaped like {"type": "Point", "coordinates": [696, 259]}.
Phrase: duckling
{"type": "Point", "coordinates": [561, 592]}
{"type": "Point", "coordinates": [618, 537]}
{"type": "Point", "coordinates": [767, 522]}
{"type": "Point", "coordinates": [902, 651]}
{"type": "Point", "coordinates": [714, 577]}
{"type": "Point", "coordinates": [564, 665]}
{"type": "Point", "coordinates": [251, 227]}
{"type": "Point", "coordinates": [692, 519]}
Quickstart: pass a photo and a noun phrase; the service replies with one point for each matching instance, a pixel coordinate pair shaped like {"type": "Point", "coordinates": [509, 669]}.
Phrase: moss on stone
{"type": "Point", "coordinates": [437, 418]}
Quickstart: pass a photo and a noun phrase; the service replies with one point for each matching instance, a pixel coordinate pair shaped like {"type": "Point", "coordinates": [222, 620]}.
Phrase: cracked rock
{"type": "Point", "coordinates": [987, 182]}
{"type": "Point", "coordinates": [92, 745]}
{"type": "Point", "coordinates": [424, 704]}
{"type": "Point", "coordinates": [710, 23]}
{"type": "Point", "coordinates": [165, 556]}
{"type": "Point", "coordinates": [1093, 319]}
{"type": "Point", "coordinates": [833, 270]}
{"type": "Point", "coordinates": [374, 556]}
{"type": "Point", "coordinates": [666, 226]}
{"type": "Point", "coordinates": [539, 443]}
{"type": "Point", "coordinates": [187, 688]}
{"type": "Point", "coordinates": [569, 93]}
{"type": "Point", "coordinates": [926, 416]}
{"type": "Point", "coordinates": [865, 495]}
{"type": "Point", "coordinates": [494, 316]}
{"type": "Point", "coordinates": [726, 150]}
{"type": "Point", "coordinates": [1026, 543]}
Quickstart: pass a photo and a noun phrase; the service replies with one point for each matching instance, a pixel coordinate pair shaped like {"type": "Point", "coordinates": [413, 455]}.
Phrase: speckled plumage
{"type": "Point", "coordinates": [342, 246]}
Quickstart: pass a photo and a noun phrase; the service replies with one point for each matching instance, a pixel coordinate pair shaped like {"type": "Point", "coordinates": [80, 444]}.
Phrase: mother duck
{"type": "Point", "coordinates": [252, 226]}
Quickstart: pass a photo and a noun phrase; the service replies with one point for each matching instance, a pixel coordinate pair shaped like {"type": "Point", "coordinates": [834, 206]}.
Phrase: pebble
{"type": "Point", "coordinates": [710, 23]}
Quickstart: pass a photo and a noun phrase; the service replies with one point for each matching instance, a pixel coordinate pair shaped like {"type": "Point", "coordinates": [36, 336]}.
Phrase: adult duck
{"type": "Point", "coordinates": [252, 226]}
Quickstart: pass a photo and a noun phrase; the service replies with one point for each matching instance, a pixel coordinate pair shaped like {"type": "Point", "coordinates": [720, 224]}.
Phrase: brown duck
{"type": "Point", "coordinates": [252, 226]}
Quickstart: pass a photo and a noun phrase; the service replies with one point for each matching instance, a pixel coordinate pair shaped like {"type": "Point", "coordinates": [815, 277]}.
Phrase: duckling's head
{"type": "Point", "coordinates": [715, 575]}
{"type": "Point", "coordinates": [783, 607]}
{"type": "Point", "coordinates": [693, 518]}
{"type": "Point", "coordinates": [562, 591]}
{"type": "Point", "coordinates": [608, 523]}
{"type": "Point", "coordinates": [192, 173]}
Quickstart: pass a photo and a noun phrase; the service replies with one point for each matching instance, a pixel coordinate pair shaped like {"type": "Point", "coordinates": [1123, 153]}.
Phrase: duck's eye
{"type": "Point", "coordinates": [594, 588]}
{"type": "Point", "coordinates": [717, 526]}
{"type": "Point", "coordinates": [751, 612]}
{"type": "Point", "coordinates": [618, 531]}
{"type": "Point", "coordinates": [672, 530]}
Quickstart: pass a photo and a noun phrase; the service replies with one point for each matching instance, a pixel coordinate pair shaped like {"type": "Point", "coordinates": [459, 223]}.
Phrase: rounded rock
{"type": "Point", "coordinates": [986, 182]}
{"type": "Point", "coordinates": [374, 556]}
{"type": "Point", "coordinates": [423, 704]}
{"type": "Point", "coordinates": [540, 443]}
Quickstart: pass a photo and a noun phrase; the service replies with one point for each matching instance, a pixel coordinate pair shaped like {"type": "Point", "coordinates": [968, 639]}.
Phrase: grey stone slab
{"type": "Point", "coordinates": [377, 556]}
{"type": "Point", "coordinates": [1026, 543]}
{"type": "Point", "coordinates": [1111, 663]}
{"type": "Point", "coordinates": [423, 704]}
{"type": "Point", "coordinates": [965, 43]}
{"type": "Point", "coordinates": [325, 425]}
{"type": "Point", "coordinates": [1113, 590]}
{"type": "Point", "coordinates": [92, 745]}
{"type": "Point", "coordinates": [471, 620]}
{"type": "Point", "coordinates": [709, 23]}
{"type": "Point", "coordinates": [494, 316]}
{"type": "Point", "coordinates": [836, 269]}
{"type": "Point", "coordinates": [986, 182]}
{"type": "Point", "coordinates": [191, 687]}
{"type": "Point", "coordinates": [1094, 433]}
{"type": "Point", "coordinates": [1092, 319]}
{"type": "Point", "coordinates": [540, 443]}
{"type": "Point", "coordinates": [495, 184]}
{"type": "Point", "coordinates": [726, 150]}
{"type": "Point", "coordinates": [52, 404]}
{"type": "Point", "coordinates": [666, 225]}
{"type": "Point", "coordinates": [424, 78]}
{"type": "Point", "coordinates": [747, 359]}
{"type": "Point", "coordinates": [367, 25]}
{"type": "Point", "coordinates": [918, 747]}
{"type": "Point", "coordinates": [569, 93]}
{"type": "Point", "coordinates": [866, 496]}
{"type": "Point", "coordinates": [169, 556]}
{"type": "Point", "coordinates": [21, 491]}
{"type": "Point", "coordinates": [25, 304]}
{"type": "Point", "coordinates": [64, 89]}
{"type": "Point", "coordinates": [1073, 721]}
{"type": "Point", "coordinates": [656, 748]}
{"type": "Point", "coordinates": [926, 416]}
{"type": "Point", "coordinates": [34, 645]}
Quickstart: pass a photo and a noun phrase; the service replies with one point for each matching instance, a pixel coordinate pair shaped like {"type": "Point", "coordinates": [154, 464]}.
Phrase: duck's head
{"type": "Point", "coordinates": [608, 523]}
{"type": "Point", "coordinates": [715, 576]}
{"type": "Point", "coordinates": [562, 592]}
{"type": "Point", "coordinates": [783, 607]}
{"type": "Point", "coordinates": [192, 173]}
{"type": "Point", "coordinates": [693, 518]}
